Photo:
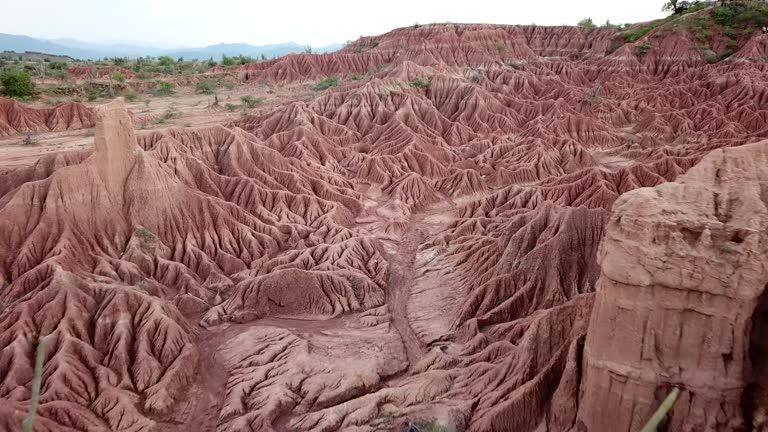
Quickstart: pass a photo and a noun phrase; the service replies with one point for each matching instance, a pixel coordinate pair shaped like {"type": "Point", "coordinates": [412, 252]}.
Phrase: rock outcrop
{"type": "Point", "coordinates": [682, 301]}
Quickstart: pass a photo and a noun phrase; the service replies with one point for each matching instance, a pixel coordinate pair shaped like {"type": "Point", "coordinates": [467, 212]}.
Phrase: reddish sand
{"type": "Point", "coordinates": [385, 254]}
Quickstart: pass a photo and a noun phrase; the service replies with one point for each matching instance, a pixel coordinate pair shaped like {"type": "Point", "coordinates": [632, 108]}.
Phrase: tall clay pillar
{"type": "Point", "coordinates": [683, 267]}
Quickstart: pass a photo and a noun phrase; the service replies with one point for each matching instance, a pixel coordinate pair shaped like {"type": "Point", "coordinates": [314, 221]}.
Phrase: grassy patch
{"type": "Point", "coordinates": [251, 102]}
{"type": "Point", "coordinates": [422, 83]}
{"type": "Point", "coordinates": [164, 88]}
{"type": "Point", "coordinates": [327, 83]}
{"type": "Point", "coordinates": [168, 115]}
{"type": "Point", "coordinates": [630, 36]}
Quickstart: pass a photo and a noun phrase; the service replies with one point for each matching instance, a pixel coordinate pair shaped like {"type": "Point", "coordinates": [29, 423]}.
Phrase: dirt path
{"type": "Point", "coordinates": [399, 284]}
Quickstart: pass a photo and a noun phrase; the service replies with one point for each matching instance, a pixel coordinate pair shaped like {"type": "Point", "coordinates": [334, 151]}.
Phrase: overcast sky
{"type": "Point", "coordinates": [315, 22]}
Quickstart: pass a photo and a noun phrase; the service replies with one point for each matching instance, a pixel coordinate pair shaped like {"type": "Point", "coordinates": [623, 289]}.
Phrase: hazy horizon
{"type": "Point", "coordinates": [175, 23]}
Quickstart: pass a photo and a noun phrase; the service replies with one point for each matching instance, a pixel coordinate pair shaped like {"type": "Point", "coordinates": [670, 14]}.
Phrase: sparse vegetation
{"type": "Point", "coordinates": [635, 35]}
{"type": "Point", "coordinates": [355, 77]}
{"type": "Point", "coordinates": [476, 78]}
{"type": "Point", "coordinates": [422, 83]}
{"type": "Point", "coordinates": [586, 23]}
{"type": "Point", "coordinates": [29, 139]}
{"type": "Point", "coordinates": [205, 87]}
{"type": "Point", "coordinates": [251, 101]}
{"type": "Point", "coordinates": [131, 97]}
{"type": "Point", "coordinates": [94, 93]}
{"type": "Point", "coordinates": [501, 49]}
{"type": "Point", "coordinates": [17, 84]}
{"type": "Point", "coordinates": [710, 56]}
{"type": "Point", "coordinates": [164, 88]}
{"type": "Point", "coordinates": [642, 50]}
{"type": "Point", "coordinates": [327, 83]}
{"type": "Point", "coordinates": [118, 77]}
{"type": "Point", "coordinates": [231, 107]}
{"type": "Point", "coordinates": [168, 115]}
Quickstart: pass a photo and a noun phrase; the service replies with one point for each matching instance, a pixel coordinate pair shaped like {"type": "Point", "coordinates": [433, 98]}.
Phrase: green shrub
{"type": "Point", "coordinates": [131, 97]}
{"type": "Point", "coordinates": [724, 15]}
{"type": "Point", "coordinates": [17, 84]}
{"type": "Point", "coordinates": [587, 23]}
{"type": "Point", "coordinates": [327, 83]}
{"type": "Point", "coordinates": [251, 102]}
{"type": "Point", "coordinates": [422, 83]}
{"type": "Point", "coordinates": [710, 56]}
{"type": "Point", "coordinates": [94, 93]}
{"type": "Point", "coordinates": [231, 107]}
{"type": "Point", "coordinates": [164, 88]}
{"type": "Point", "coordinates": [355, 77]}
{"type": "Point", "coordinates": [501, 49]}
{"type": "Point", "coordinates": [643, 49]}
{"type": "Point", "coordinates": [725, 54]}
{"type": "Point", "coordinates": [204, 87]}
{"type": "Point", "coordinates": [29, 140]}
{"type": "Point", "coordinates": [118, 77]}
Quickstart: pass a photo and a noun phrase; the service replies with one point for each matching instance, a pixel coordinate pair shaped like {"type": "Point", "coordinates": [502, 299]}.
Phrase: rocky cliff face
{"type": "Point", "coordinates": [681, 302]}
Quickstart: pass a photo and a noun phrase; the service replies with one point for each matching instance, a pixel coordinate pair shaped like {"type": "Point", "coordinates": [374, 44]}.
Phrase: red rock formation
{"type": "Point", "coordinates": [18, 118]}
{"type": "Point", "coordinates": [681, 290]}
{"type": "Point", "coordinates": [382, 254]}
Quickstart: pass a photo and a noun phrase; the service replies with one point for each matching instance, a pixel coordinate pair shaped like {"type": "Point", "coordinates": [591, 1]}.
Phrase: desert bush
{"type": "Point", "coordinates": [204, 87]}
{"type": "Point", "coordinates": [131, 97]}
{"type": "Point", "coordinates": [710, 56]}
{"type": "Point", "coordinates": [501, 49]}
{"type": "Point", "coordinates": [643, 49]}
{"type": "Point", "coordinates": [169, 114]}
{"type": "Point", "coordinates": [251, 102]}
{"type": "Point", "coordinates": [231, 107]}
{"type": "Point", "coordinates": [355, 77]}
{"type": "Point", "coordinates": [118, 77]}
{"type": "Point", "coordinates": [327, 83]}
{"type": "Point", "coordinates": [94, 93]}
{"type": "Point", "coordinates": [422, 83]}
{"type": "Point", "coordinates": [476, 78]}
{"type": "Point", "coordinates": [587, 23]}
{"type": "Point", "coordinates": [29, 140]}
{"type": "Point", "coordinates": [724, 15]}
{"type": "Point", "coordinates": [17, 84]}
{"type": "Point", "coordinates": [164, 88]}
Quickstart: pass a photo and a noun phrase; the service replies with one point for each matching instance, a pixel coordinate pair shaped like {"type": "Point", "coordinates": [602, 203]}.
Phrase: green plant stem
{"type": "Point", "coordinates": [660, 413]}
{"type": "Point", "coordinates": [30, 420]}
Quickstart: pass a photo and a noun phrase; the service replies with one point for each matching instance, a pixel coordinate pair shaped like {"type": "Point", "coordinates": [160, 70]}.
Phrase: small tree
{"type": "Point", "coordinates": [677, 7]}
{"type": "Point", "coordinates": [587, 23]}
{"type": "Point", "coordinates": [17, 84]}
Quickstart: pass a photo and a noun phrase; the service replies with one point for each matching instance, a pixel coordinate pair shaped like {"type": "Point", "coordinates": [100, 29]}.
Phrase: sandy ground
{"type": "Point", "coordinates": [184, 109]}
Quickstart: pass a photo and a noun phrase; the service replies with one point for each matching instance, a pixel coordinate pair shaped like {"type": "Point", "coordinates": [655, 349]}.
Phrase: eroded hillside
{"type": "Point", "coordinates": [419, 244]}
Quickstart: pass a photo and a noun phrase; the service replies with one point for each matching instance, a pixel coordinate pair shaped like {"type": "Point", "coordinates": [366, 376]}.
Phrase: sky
{"type": "Point", "coordinates": [180, 23]}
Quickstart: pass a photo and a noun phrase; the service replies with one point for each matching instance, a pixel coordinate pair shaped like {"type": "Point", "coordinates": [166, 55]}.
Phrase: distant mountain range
{"type": "Point", "coordinates": [92, 51]}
